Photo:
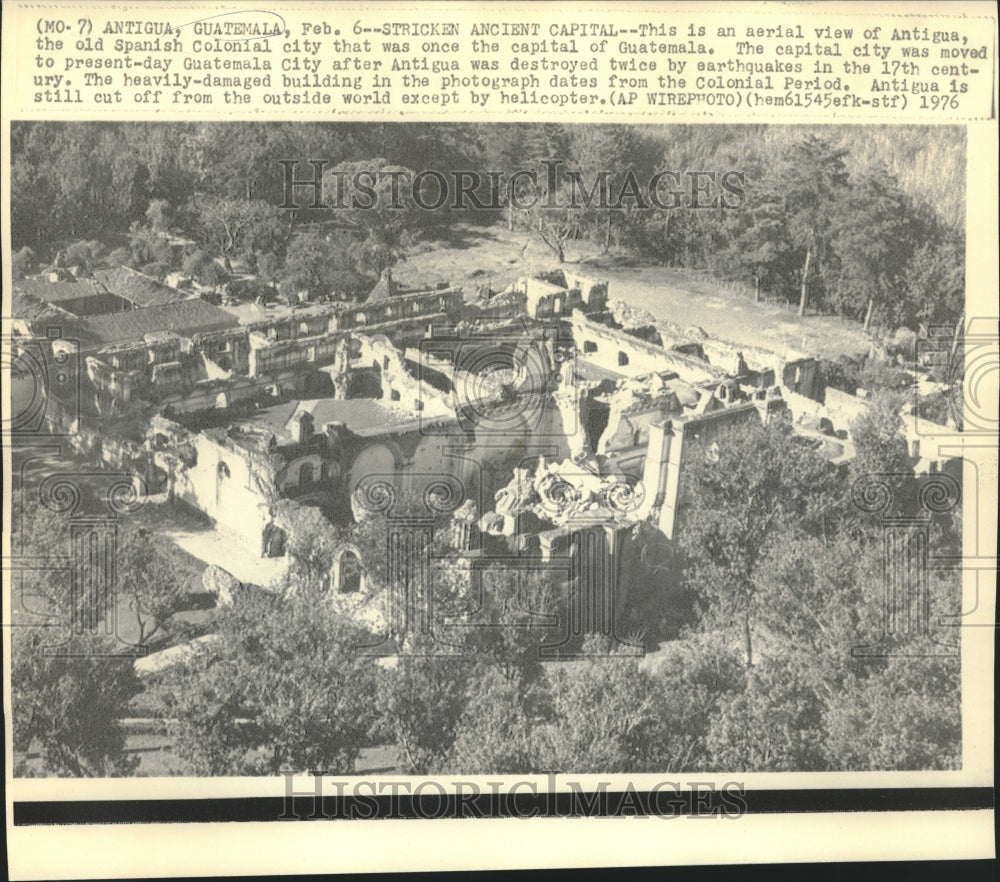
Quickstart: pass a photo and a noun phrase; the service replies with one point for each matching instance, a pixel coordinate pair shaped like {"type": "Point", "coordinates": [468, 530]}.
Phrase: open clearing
{"type": "Point", "coordinates": [495, 256]}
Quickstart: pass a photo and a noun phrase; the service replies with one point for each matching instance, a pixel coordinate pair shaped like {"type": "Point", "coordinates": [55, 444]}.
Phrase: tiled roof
{"type": "Point", "coordinates": [186, 317]}
{"type": "Point", "coordinates": [383, 290]}
{"type": "Point", "coordinates": [38, 313]}
{"type": "Point", "coordinates": [54, 292]}
{"type": "Point", "coordinates": [111, 290]}
{"type": "Point", "coordinates": [136, 287]}
{"type": "Point", "coordinates": [82, 298]}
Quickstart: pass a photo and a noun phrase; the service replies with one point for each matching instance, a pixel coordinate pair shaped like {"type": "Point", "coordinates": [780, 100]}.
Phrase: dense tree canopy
{"type": "Point", "coordinates": [284, 687]}
{"type": "Point", "coordinates": [68, 689]}
{"type": "Point", "coordinates": [839, 219]}
{"type": "Point", "coordinates": [750, 491]}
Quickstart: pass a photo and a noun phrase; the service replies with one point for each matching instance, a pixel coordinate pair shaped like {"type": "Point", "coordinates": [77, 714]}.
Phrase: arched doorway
{"type": "Point", "coordinates": [273, 544]}
{"type": "Point", "coordinates": [347, 576]}
{"type": "Point", "coordinates": [378, 464]}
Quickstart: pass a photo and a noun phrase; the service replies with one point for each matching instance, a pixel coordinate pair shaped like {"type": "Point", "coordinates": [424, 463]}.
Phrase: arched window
{"type": "Point", "coordinates": [348, 573]}
{"type": "Point", "coordinates": [306, 475]}
{"type": "Point", "coordinates": [273, 541]}
{"type": "Point", "coordinates": [221, 474]}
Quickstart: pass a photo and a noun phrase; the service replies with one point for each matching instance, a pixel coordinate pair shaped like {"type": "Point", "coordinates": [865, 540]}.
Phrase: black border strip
{"type": "Point", "coordinates": [431, 804]}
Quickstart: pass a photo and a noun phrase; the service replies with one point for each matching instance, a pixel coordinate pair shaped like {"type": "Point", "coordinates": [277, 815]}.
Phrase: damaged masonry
{"type": "Point", "coordinates": [544, 423]}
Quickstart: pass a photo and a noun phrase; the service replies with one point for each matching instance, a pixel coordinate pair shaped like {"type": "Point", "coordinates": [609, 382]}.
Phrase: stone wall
{"type": "Point", "coordinates": [230, 349]}
{"type": "Point", "coordinates": [631, 357]}
{"type": "Point", "coordinates": [269, 358]}
{"type": "Point", "coordinates": [224, 481]}
{"type": "Point", "coordinates": [593, 292]}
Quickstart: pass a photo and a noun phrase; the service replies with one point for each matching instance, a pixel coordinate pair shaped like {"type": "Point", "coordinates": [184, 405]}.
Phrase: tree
{"type": "Point", "coordinates": [693, 675]}
{"type": "Point", "coordinates": [818, 596]}
{"type": "Point", "coordinates": [514, 613]}
{"type": "Point", "coordinates": [312, 544]}
{"type": "Point", "coordinates": [774, 724]}
{"type": "Point", "coordinates": [122, 257]}
{"type": "Point", "coordinates": [420, 702]}
{"type": "Point", "coordinates": [505, 150]}
{"type": "Point", "coordinates": [607, 157]}
{"type": "Point", "coordinates": [284, 687]}
{"type": "Point", "coordinates": [236, 160]}
{"type": "Point", "coordinates": [320, 265]}
{"type": "Point", "coordinates": [811, 179]}
{"type": "Point", "coordinates": [874, 236]}
{"type": "Point", "coordinates": [83, 254]}
{"type": "Point", "coordinates": [149, 578]}
{"type": "Point", "coordinates": [269, 268]}
{"type": "Point", "coordinates": [752, 484]}
{"type": "Point", "coordinates": [232, 228]}
{"type": "Point", "coordinates": [763, 248]}
{"type": "Point", "coordinates": [934, 280]}
{"type": "Point", "coordinates": [880, 447]}
{"type": "Point", "coordinates": [159, 214]}
{"type": "Point", "coordinates": [606, 715]}
{"type": "Point", "coordinates": [205, 271]}
{"type": "Point", "coordinates": [373, 198]}
{"type": "Point", "coordinates": [907, 716]}
{"type": "Point", "coordinates": [158, 269]}
{"type": "Point", "coordinates": [549, 215]}
{"type": "Point", "coordinates": [67, 708]}
{"type": "Point", "coordinates": [147, 246]}
{"type": "Point", "coordinates": [493, 735]}
{"type": "Point", "coordinates": [21, 262]}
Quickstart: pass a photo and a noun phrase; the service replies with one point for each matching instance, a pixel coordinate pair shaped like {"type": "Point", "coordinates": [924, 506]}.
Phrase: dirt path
{"type": "Point", "coordinates": [495, 256]}
{"type": "Point", "coordinates": [213, 547]}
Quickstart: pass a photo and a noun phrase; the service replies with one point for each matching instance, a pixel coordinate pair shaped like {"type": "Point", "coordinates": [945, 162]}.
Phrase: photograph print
{"type": "Point", "coordinates": [465, 449]}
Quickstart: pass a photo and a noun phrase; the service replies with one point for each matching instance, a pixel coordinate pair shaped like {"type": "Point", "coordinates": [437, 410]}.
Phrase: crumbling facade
{"type": "Point", "coordinates": [552, 424]}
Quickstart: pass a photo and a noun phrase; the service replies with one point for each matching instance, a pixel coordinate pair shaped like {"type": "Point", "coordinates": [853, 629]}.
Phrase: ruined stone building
{"type": "Point", "coordinates": [552, 429]}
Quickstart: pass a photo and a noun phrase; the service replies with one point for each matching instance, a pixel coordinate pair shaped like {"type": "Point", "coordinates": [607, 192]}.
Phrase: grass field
{"type": "Point", "coordinates": [494, 256]}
